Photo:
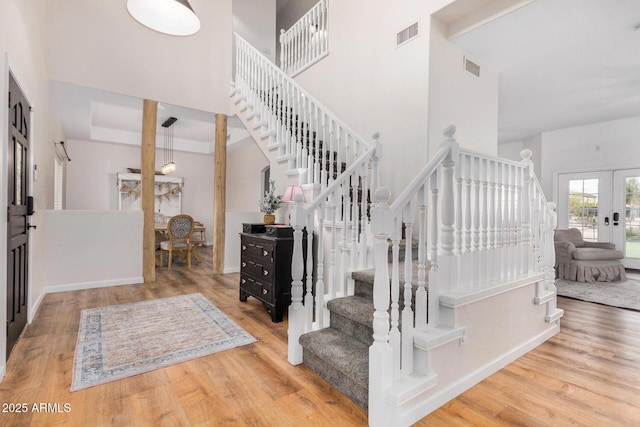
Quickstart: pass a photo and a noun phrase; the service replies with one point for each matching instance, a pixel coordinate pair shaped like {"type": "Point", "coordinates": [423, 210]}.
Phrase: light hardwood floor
{"type": "Point", "coordinates": [588, 374]}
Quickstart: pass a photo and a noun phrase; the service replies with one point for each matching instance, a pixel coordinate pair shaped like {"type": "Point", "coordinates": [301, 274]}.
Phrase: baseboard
{"type": "Point", "coordinates": [92, 285]}
{"type": "Point", "coordinates": [34, 308]}
{"type": "Point", "coordinates": [231, 270]}
{"type": "Point", "coordinates": [411, 415]}
{"type": "Point", "coordinates": [3, 371]}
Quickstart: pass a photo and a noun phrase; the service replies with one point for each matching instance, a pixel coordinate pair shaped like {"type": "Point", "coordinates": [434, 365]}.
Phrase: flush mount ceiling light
{"type": "Point", "coordinates": [174, 17]}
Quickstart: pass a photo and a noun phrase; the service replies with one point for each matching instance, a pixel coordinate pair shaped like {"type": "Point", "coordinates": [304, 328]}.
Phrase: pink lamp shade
{"type": "Point", "coordinates": [291, 192]}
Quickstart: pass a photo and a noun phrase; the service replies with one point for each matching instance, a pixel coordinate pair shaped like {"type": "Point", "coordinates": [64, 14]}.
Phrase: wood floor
{"type": "Point", "coordinates": [588, 374]}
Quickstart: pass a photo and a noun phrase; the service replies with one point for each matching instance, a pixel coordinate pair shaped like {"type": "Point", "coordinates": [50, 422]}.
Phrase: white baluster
{"type": "Point", "coordinates": [485, 221]}
{"type": "Point", "coordinates": [492, 221]}
{"type": "Point", "coordinates": [436, 280]}
{"type": "Point", "coordinates": [380, 352]}
{"type": "Point", "coordinates": [421, 293]}
{"type": "Point", "coordinates": [499, 215]}
{"type": "Point", "coordinates": [332, 262]}
{"type": "Point", "coordinates": [320, 303]}
{"type": "Point", "coordinates": [394, 334]}
{"type": "Point", "coordinates": [407, 312]}
{"type": "Point", "coordinates": [308, 299]}
{"type": "Point", "coordinates": [296, 309]}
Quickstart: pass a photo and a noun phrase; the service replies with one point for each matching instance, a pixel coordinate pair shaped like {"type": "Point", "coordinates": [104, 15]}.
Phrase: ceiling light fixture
{"type": "Point", "coordinates": [174, 17]}
{"type": "Point", "coordinates": [169, 165]}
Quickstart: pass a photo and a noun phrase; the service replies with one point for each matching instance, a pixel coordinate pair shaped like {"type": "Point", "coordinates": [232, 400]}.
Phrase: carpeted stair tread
{"type": "Point", "coordinates": [368, 275]}
{"type": "Point", "coordinates": [357, 309]}
{"type": "Point", "coordinates": [353, 316]}
{"type": "Point", "coordinates": [340, 360]}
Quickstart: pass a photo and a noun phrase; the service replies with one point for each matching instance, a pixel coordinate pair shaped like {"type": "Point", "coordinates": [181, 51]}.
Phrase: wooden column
{"type": "Point", "coordinates": [219, 192]}
{"type": "Point", "coordinates": [148, 165]}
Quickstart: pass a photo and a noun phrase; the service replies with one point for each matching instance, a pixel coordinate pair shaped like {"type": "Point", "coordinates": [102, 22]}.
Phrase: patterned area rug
{"type": "Point", "coordinates": [617, 294]}
{"type": "Point", "coordinates": [123, 340]}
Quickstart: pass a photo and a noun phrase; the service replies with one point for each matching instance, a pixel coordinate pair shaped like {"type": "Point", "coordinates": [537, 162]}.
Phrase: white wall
{"type": "Point", "coordinates": [22, 50]}
{"type": "Point", "coordinates": [255, 21]}
{"type": "Point", "coordinates": [608, 145]}
{"type": "Point", "coordinates": [244, 189]}
{"type": "Point", "coordinates": [409, 93]}
{"type": "Point", "coordinates": [374, 86]}
{"type": "Point", "coordinates": [98, 44]}
{"type": "Point", "coordinates": [510, 150]}
{"type": "Point", "coordinates": [87, 249]}
{"type": "Point", "coordinates": [92, 179]}
{"type": "Point", "coordinates": [460, 98]}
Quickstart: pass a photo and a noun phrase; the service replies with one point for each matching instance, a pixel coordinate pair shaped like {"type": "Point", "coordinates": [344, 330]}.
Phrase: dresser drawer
{"type": "Point", "coordinates": [260, 290]}
{"type": "Point", "coordinates": [249, 285]}
{"type": "Point", "coordinates": [257, 250]}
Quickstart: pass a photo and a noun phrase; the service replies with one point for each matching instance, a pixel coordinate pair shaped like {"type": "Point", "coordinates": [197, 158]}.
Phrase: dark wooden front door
{"type": "Point", "coordinates": [17, 227]}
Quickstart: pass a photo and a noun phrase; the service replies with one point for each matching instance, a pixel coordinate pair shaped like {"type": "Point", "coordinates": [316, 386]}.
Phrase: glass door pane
{"type": "Point", "coordinates": [583, 207]}
{"type": "Point", "coordinates": [584, 202]}
{"type": "Point", "coordinates": [626, 208]}
{"type": "Point", "coordinates": [632, 217]}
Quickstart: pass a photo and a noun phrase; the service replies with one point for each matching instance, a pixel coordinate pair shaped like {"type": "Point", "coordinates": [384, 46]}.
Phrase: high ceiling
{"type": "Point", "coordinates": [94, 115]}
{"type": "Point", "coordinates": [562, 64]}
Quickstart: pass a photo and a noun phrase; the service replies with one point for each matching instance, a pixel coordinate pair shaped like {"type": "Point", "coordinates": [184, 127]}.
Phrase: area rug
{"type": "Point", "coordinates": [123, 340]}
{"type": "Point", "coordinates": [617, 294]}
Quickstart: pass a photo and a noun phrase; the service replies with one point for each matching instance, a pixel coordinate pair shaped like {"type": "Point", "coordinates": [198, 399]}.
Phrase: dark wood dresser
{"type": "Point", "coordinates": [265, 266]}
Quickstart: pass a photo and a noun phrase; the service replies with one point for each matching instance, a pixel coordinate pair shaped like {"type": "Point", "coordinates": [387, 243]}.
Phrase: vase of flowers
{"type": "Point", "coordinates": [270, 203]}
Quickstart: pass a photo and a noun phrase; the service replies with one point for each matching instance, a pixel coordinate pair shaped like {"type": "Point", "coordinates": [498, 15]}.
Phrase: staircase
{"type": "Point", "coordinates": [340, 353]}
{"type": "Point", "coordinates": [478, 278]}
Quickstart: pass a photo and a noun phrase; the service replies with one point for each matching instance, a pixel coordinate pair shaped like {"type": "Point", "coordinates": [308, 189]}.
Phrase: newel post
{"type": "Point", "coordinates": [296, 309]}
{"type": "Point", "coordinates": [447, 263]}
{"type": "Point", "coordinates": [525, 197]}
{"type": "Point", "coordinates": [380, 352]}
{"type": "Point", "coordinates": [375, 163]}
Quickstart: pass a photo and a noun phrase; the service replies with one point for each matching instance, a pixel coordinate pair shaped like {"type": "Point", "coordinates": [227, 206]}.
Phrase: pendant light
{"type": "Point", "coordinates": [169, 165]}
{"type": "Point", "coordinates": [174, 17]}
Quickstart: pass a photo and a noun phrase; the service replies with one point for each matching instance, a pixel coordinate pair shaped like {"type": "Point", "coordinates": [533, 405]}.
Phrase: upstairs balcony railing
{"type": "Point", "coordinates": [307, 41]}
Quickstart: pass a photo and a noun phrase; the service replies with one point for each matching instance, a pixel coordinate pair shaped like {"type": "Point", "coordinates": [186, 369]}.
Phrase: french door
{"type": "Point", "coordinates": [605, 207]}
{"type": "Point", "coordinates": [626, 215]}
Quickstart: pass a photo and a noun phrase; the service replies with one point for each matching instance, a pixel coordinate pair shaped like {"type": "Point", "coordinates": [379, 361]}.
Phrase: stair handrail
{"type": "Point", "coordinates": [297, 50]}
{"type": "Point", "coordinates": [308, 309]}
{"type": "Point", "coordinates": [275, 79]}
{"type": "Point", "coordinates": [474, 215]}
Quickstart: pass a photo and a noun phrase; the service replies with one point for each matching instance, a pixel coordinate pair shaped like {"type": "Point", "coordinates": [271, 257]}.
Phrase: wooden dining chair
{"type": "Point", "coordinates": [179, 229]}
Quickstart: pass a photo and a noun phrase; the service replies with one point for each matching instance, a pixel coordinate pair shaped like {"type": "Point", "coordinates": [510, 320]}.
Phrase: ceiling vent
{"type": "Point", "coordinates": [471, 67]}
{"type": "Point", "coordinates": [409, 33]}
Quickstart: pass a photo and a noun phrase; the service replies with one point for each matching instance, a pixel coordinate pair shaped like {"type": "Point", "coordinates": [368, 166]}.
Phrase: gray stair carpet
{"type": "Point", "coordinates": [340, 353]}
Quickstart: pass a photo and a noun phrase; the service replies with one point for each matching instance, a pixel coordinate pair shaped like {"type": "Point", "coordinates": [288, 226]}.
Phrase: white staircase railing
{"type": "Point", "coordinates": [311, 138]}
{"type": "Point", "coordinates": [307, 41]}
{"type": "Point", "coordinates": [342, 208]}
{"type": "Point", "coordinates": [480, 221]}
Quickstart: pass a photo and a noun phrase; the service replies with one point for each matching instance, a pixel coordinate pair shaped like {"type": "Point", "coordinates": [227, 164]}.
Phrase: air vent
{"type": "Point", "coordinates": [471, 67]}
{"type": "Point", "coordinates": [407, 34]}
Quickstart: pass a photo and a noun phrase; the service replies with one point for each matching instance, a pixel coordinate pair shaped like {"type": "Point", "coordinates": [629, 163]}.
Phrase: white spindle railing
{"type": "Point", "coordinates": [344, 200]}
{"type": "Point", "coordinates": [315, 142]}
{"type": "Point", "coordinates": [306, 42]}
{"type": "Point", "coordinates": [479, 221]}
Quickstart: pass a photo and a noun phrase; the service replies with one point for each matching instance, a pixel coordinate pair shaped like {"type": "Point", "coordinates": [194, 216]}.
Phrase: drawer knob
{"type": "Point", "coordinates": [244, 248]}
{"type": "Point", "coordinates": [264, 292]}
{"type": "Point", "coordinates": [244, 264]}
{"type": "Point", "coordinates": [265, 253]}
{"type": "Point", "coordinates": [265, 273]}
